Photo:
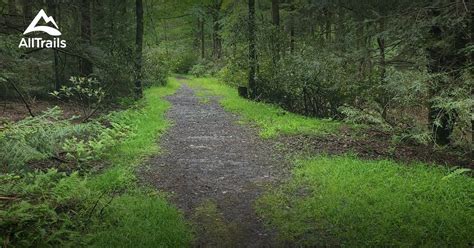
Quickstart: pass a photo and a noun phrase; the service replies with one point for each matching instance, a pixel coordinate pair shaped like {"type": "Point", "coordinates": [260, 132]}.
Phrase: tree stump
{"type": "Point", "coordinates": [243, 92]}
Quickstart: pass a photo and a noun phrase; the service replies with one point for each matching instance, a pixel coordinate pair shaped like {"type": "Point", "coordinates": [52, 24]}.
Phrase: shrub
{"type": "Point", "coordinates": [184, 63]}
{"type": "Point", "coordinates": [199, 70]}
{"type": "Point", "coordinates": [155, 68]}
{"type": "Point", "coordinates": [86, 92]}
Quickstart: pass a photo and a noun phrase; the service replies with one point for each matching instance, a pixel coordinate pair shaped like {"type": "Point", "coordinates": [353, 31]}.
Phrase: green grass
{"type": "Point", "coordinates": [344, 201]}
{"type": "Point", "coordinates": [139, 217]}
{"type": "Point", "coordinates": [272, 120]}
{"type": "Point", "coordinates": [148, 123]}
{"type": "Point", "coordinates": [143, 220]}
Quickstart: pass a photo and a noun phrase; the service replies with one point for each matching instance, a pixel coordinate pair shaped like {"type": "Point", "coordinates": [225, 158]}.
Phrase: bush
{"type": "Point", "coordinates": [85, 92]}
{"type": "Point", "coordinates": [184, 63]}
{"type": "Point", "coordinates": [155, 68]}
{"type": "Point", "coordinates": [198, 70]}
{"type": "Point", "coordinates": [233, 75]}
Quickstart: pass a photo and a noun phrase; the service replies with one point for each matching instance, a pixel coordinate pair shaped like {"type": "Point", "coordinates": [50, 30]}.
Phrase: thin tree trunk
{"type": "Point", "coordinates": [292, 29]}
{"type": "Point", "coordinates": [139, 48]}
{"type": "Point", "coordinates": [203, 38]}
{"type": "Point", "coordinates": [217, 44]}
{"type": "Point", "coordinates": [276, 12]}
{"type": "Point", "coordinates": [86, 35]}
{"type": "Point", "coordinates": [27, 12]}
{"type": "Point", "coordinates": [383, 70]}
{"type": "Point", "coordinates": [328, 28]}
{"type": "Point", "coordinates": [22, 98]}
{"type": "Point", "coordinates": [53, 11]}
{"type": "Point", "coordinates": [276, 23]}
{"type": "Point", "coordinates": [252, 50]}
{"type": "Point", "coordinates": [12, 7]}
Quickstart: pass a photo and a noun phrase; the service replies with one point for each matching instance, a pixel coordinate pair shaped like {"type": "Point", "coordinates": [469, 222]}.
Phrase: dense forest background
{"type": "Point", "coordinates": [405, 66]}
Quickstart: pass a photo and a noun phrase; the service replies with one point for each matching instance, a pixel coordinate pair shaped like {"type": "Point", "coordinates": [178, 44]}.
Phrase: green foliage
{"type": "Point", "coordinates": [343, 201]}
{"type": "Point", "coordinates": [155, 67]}
{"type": "Point", "coordinates": [138, 217]}
{"type": "Point", "coordinates": [43, 209]}
{"type": "Point", "coordinates": [457, 102]}
{"type": "Point", "coordinates": [233, 75]}
{"type": "Point", "coordinates": [271, 119]}
{"type": "Point", "coordinates": [142, 220]}
{"type": "Point", "coordinates": [37, 138]}
{"type": "Point", "coordinates": [198, 70]}
{"type": "Point", "coordinates": [87, 92]}
{"type": "Point", "coordinates": [95, 147]}
{"type": "Point", "coordinates": [302, 84]}
{"type": "Point", "coordinates": [183, 63]}
{"type": "Point", "coordinates": [205, 67]}
{"type": "Point", "coordinates": [50, 208]}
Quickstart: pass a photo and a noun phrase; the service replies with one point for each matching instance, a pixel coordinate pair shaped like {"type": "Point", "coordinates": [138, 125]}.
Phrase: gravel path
{"type": "Point", "coordinates": [209, 158]}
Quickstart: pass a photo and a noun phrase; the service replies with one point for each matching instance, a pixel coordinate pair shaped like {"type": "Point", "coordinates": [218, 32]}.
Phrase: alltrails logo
{"type": "Point", "coordinates": [40, 42]}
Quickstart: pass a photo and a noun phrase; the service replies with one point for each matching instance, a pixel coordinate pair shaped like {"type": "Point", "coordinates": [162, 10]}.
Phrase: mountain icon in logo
{"type": "Point", "coordinates": [49, 30]}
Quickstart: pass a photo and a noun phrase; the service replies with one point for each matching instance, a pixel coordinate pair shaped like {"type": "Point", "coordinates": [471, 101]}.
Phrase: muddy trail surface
{"type": "Point", "coordinates": [215, 169]}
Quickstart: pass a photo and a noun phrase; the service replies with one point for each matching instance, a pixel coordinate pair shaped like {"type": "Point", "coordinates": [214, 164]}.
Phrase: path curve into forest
{"type": "Point", "coordinates": [208, 158]}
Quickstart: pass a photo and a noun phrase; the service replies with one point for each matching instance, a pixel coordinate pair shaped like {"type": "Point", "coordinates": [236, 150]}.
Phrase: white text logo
{"type": "Point", "coordinates": [40, 42]}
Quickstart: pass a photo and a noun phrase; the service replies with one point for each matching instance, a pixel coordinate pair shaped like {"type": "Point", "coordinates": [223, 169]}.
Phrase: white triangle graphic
{"type": "Point", "coordinates": [49, 30]}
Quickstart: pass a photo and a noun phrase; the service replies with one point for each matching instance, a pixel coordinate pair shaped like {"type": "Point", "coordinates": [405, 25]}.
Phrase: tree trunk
{"type": "Point", "coordinates": [27, 12]}
{"type": "Point", "coordinates": [328, 28]}
{"type": "Point", "coordinates": [252, 50]}
{"type": "Point", "coordinates": [203, 38]}
{"type": "Point", "coordinates": [276, 12]}
{"type": "Point", "coordinates": [139, 47]}
{"type": "Point", "coordinates": [12, 8]}
{"type": "Point", "coordinates": [275, 37]}
{"type": "Point", "coordinates": [292, 29]}
{"type": "Point", "coordinates": [383, 98]}
{"type": "Point", "coordinates": [216, 39]}
{"type": "Point", "coordinates": [86, 35]}
{"type": "Point", "coordinates": [53, 11]}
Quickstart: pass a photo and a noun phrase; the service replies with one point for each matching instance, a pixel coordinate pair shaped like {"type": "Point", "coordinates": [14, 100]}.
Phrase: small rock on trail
{"type": "Point", "coordinates": [210, 163]}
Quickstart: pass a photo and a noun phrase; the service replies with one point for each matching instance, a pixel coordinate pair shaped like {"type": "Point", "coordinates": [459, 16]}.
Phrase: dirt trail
{"type": "Point", "coordinates": [215, 169]}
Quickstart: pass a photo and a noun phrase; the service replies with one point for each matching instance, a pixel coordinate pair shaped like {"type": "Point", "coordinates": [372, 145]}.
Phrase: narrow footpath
{"type": "Point", "coordinates": [215, 169]}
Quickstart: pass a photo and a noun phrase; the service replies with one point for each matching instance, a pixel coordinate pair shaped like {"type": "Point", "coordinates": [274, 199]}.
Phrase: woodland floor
{"type": "Point", "coordinates": [15, 110]}
{"type": "Point", "coordinates": [215, 169]}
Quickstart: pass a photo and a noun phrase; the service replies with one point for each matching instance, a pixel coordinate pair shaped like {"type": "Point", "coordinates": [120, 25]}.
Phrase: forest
{"type": "Point", "coordinates": [236, 123]}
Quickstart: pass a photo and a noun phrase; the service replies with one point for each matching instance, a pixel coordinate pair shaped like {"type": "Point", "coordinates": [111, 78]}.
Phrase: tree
{"type": "Point", "coordinates": [276, 12]}
{"type": "Point", "coordinates": [138, 49]}
{"type": "Point", "coordinates": [86, 36]}
{"type": "Point", "coordinates": [216, 36]}
{"type": "Point", "coordinates": [252, 50]}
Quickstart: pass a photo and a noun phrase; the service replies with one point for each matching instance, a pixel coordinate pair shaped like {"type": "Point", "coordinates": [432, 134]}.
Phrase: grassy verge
{"type": "Point", "coordinates": [138, 217]}
{"type": "Point", "coordinates": [344, 201]}
{"type": "Point", "coordinates": [74, 203]}
{"type": "Point", "coordinates": [271, 119]}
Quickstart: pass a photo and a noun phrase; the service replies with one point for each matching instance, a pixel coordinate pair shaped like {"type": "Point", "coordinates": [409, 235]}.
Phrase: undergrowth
{"type": "Point", "coordinates": [272, 119]}
{"type": "Point", "coordinates": [80, 207]}
{"type": "Point", "coordinates": [344, 201]}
